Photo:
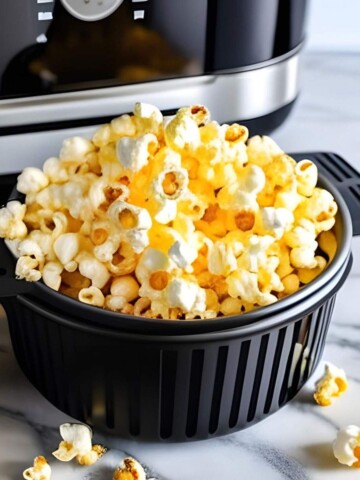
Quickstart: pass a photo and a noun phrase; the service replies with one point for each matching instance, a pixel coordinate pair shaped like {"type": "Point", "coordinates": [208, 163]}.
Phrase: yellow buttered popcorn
{"type": "Point", "coordinates": [331, 385]}
{"type": "Point", "coordinates": [171, 217]}
{"type": "Point", "coordinates": [40, 471]}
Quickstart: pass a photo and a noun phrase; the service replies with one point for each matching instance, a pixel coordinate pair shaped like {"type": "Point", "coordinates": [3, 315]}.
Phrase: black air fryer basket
{"type": "Point", "coordinates": [179, 380]}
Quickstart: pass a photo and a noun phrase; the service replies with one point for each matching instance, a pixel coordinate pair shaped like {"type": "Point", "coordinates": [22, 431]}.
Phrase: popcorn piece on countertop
{"type": "Point", "coordinates": [11, 221]}
{"type": "Point", "coordinates": [346, 447]}
{"type": "Point", "coordinates": [332, 384]}
{"type": "Point", "coordinates": [40, 471]}
{"type": "Point", "coordinates": [129, 469]}
{"type": "Point", "coordinates": [133, 153]}
{"type": "Point", "coordinates": [77, 442]}
{"type": "Point", "coordinates": [31, 180]}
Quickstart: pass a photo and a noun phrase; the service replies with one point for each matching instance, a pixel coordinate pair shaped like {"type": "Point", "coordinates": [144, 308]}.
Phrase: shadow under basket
{"type": "Point", "coordinates": [175, 380]}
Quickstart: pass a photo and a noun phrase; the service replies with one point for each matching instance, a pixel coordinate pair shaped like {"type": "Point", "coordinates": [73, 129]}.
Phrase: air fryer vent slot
{"type": "Point", "coordinates": [239, 383]}
{"type": "Point", "coordinates": [167, 392]}
{"type": "Point", "coordinates": [275, 368]}
{"type": "Point", "coordinates": [218, 389]}
{"type": "Point", "coordinates": [197, 363]}
{"type": "Point", "coordinates": [258, 378]}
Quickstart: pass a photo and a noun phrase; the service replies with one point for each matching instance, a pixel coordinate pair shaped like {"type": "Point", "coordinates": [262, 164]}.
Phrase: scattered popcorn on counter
{"type": "Point", "coordinates": [171, 217]}
{"type": "Point", "coordinates": [129, 469]}
{"type": "Point", "coordinates": [331, 385]}
{"type": "Point", "coordinates": [77, 442]}
{"type": "Point", "coordinates": [346, 447]}
{"type": "Point", "coordinates": [40, 471]}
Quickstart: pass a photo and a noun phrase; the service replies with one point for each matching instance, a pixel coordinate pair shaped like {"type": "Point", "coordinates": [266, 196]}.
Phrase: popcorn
{"type": "Point", "coordinates": [176, 217]}
{"type": "Point", "coordinates": [242, 195]}
{"type": "Point", "coordinates": [346, 447]}
{"type": "Point", "coordinates": [134, 223]}
{"type": "Point", "coordinates": [182, 132]}
{"type": "Point", "coordinates": [92, 296]}
{"type": "Point", "coordinates": [123, 126]}
{"type": "Point", "coordinates": [221, 259]}
{"type": "Point", "coordinates": [51, 274]}
{"type": "Point", "coordinates": [31, 180]}
{"type": "Point", "coordinates": [66, 247]}
{"type": "Point", "coordinates": [244, 285]}
{"type": "Point", "coordinates": [75, 149]}
{"type": "Point", "coordinates": [182, 254]}
{"type": "Point", "coordinates": [91, 268]}
{"type": "Point", "coordinates": [332, 384]}
{"type": "Point", "coordinates": [133, 154]}
{"type": "Point", "coordinates": [186, 295]}
{"type": "Point", "coordinates": [77, 442]}
{"type": "Point", "coordinates": [150, 116]}
{"type": "Point", "coordinates": [277, 220]}
{"type": "Point", "coordinates": [11, 221]}
{"type": "Point", "coordinates": [306, 175]}
{"type": "Point", "coordinates": [55, 171]}
{"type": "Point", "coordinates": [40, 471]}
{"type": "Point", "coordinates": [26, 268]}
{"type": "Point", "coordinates": [129, 469]}
{"type": "Point", "coordinates": [104, 193]}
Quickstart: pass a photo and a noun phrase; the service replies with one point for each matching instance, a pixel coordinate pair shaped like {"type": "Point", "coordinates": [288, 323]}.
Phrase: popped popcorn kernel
{"type": "Point", "coordinates": [129, 469]}
{"type": "Point", "coordinates": [77, 443]}
{"type": "Point", "coordinates": [346, 447]}
{"type": "Point", "coordinates": [40, 471]}
{"type": "Point", "coordinates": [171, 217]}
{"type": "Point", "coordinates": [331, 385]}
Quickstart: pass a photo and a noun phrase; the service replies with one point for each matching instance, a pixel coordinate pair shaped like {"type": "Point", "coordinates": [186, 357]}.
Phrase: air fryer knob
{"type": "Point", "coordinates": [91, 10]}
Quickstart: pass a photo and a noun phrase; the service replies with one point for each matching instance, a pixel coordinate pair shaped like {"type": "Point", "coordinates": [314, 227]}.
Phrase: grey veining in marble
{"type": "Point", "coordinates": [293, 444]}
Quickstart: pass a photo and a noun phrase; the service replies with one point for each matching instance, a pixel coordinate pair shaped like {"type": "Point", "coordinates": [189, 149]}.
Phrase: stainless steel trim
{"type": "Point", "coordinates": [230, 97]}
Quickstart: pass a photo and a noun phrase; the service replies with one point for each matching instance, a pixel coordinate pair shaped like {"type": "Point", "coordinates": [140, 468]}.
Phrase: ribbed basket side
{"type": "Point", "coordinates": [167, 391]}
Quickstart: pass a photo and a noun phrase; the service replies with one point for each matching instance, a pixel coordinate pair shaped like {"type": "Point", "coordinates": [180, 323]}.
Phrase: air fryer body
{"type": "Point", "coordinates": [67, 65]}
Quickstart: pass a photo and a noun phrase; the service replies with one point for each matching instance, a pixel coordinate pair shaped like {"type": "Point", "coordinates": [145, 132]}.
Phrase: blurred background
{"type": "Point", "coordinates": [334, 25]}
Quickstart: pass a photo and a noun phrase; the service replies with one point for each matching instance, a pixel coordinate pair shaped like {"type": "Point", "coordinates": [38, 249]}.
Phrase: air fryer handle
{"type": "Point", "coordinates": [343, 176]}
{"type": "Point", "coordinates": [9, 286]}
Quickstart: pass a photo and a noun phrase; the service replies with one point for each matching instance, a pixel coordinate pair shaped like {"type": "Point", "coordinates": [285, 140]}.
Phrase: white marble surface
{"type": "Point", "coordinates": [294, 443]}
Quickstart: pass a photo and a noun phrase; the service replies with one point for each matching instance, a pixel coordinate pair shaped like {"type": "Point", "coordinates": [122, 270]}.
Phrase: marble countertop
{"type": "Point", "coordinates": [295, 443]}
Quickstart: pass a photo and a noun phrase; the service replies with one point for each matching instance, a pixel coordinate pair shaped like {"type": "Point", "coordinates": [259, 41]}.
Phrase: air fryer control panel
{"type": "Point", "coordinates": [91, 10]}
{"type": "Point", "coordinates": [54, 46]}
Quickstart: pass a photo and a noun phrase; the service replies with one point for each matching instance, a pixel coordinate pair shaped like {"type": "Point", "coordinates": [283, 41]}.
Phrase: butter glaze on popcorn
{"type": "Point", "coordinates": [201, 221]}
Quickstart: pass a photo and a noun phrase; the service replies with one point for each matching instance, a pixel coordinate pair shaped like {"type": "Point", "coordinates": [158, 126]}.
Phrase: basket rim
{"type": "Point", "coordinates": [101, 317]}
